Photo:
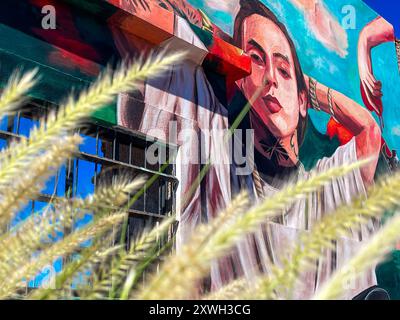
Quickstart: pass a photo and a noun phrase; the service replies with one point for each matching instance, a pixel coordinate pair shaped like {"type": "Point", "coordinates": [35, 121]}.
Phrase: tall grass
{"type": "Point", "coordinates": [114, 271]}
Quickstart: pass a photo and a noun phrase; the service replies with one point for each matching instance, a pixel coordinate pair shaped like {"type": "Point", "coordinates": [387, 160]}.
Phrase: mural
{"type": "Point", "coordinates": [285, 104]}
{"type": "Point", "coordinates": [304, 91]}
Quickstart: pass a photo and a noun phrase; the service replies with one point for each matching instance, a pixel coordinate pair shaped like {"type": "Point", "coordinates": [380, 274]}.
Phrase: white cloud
{"type": "Point", "coordinates": [323, 64]}
{"type": "Point", "coordinates": [325, 26]}
{"type": "Point", "coordinates": [223, 5]}
{"type": "Point", "coordinates": [396, 131]}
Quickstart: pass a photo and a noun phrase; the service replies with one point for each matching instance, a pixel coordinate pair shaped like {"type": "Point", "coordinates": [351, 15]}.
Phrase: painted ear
{"type": "Point", "coordinates": [303, 102]}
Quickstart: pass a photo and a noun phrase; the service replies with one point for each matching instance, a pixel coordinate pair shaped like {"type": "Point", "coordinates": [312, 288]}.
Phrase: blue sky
{"type": "Point", "coordinates": [389, 9]}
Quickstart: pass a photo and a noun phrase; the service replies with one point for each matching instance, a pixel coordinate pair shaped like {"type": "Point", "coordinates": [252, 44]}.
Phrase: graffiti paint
{"type": "Point", "coordinates": [319, 94]}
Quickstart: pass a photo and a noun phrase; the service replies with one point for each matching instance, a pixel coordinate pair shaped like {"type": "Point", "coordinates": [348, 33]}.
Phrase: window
{"type": "Point", "coordinates": [105, 152]}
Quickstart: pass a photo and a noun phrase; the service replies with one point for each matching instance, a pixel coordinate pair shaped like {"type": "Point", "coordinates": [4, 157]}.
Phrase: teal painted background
{"type": "Point", "coordinates": [325, 65]}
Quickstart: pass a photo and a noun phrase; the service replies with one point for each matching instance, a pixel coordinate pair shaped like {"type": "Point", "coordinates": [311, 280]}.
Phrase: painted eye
{"type": "Point", "coordinates": [284, 73]}
{"type": "Point", "coordinates": [256, 58]}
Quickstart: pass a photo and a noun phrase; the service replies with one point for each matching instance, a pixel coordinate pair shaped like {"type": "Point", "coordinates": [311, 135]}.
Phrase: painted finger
{"type": "Point", "coordinates": [368, 101]}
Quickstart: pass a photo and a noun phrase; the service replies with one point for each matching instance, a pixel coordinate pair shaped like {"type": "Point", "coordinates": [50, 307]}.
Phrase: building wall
{"type": "Point", "coordinates": [193, 102]}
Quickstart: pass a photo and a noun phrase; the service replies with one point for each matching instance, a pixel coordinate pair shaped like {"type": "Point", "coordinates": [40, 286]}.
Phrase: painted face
{"type": "Point", "coordinates": [279, 106]}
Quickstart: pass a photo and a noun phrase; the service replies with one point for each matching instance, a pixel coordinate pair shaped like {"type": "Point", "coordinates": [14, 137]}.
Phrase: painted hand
{"type": "Point", "coordinates": [371, 88]}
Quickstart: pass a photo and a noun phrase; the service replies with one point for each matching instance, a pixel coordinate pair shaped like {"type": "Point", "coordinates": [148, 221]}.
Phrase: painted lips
{"type": "Point", "coordinates": [272, 104]}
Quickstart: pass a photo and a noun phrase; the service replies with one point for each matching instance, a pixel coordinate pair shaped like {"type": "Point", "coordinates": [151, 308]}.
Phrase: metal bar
{"type": "Point", "coordinates": [75, 178]}
{"type": "Point", "coordinates": [93, 158]}
{"type": "Point", "coordinates": [114, 146]}
{"type": "Point", "coordinates": [130, 153]}
{"type": "Point", "coordinates": [131, 212]}
{"type": "Point", "coordinates": [18, 121]}
{"type": "Point", "coordinates": [7, 135]}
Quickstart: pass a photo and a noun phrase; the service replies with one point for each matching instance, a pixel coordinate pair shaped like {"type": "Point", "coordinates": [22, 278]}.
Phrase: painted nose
{"type": "Point", "coordinates": [270, 79]}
